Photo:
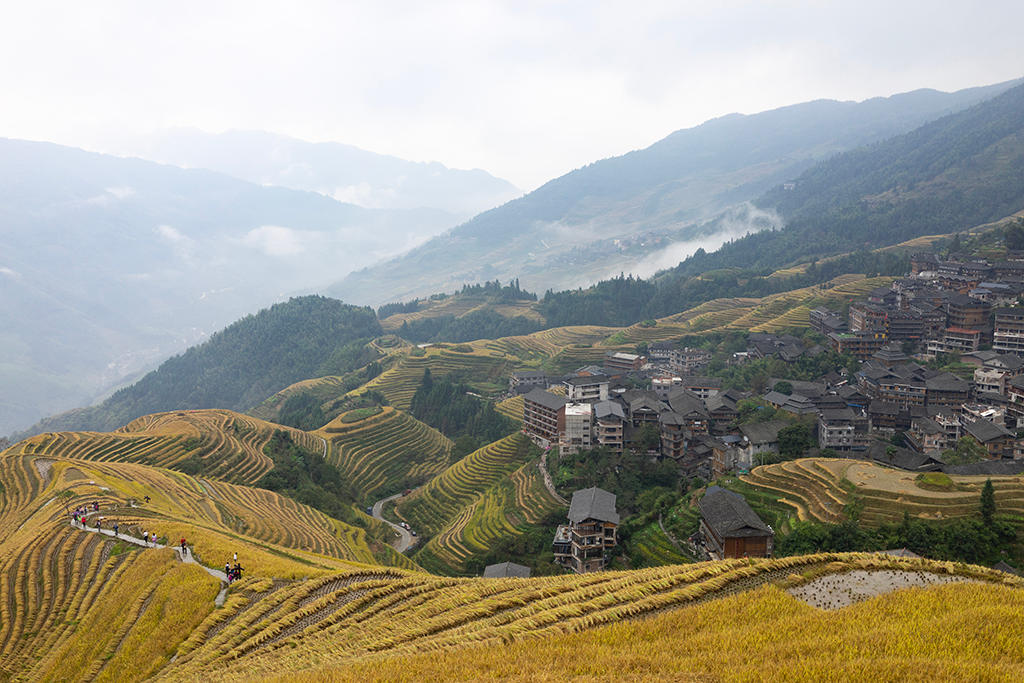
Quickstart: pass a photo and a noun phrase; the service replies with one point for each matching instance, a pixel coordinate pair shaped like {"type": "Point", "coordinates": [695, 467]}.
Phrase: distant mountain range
{"type": "Point", "coordinates": [110, 265]}
{"type": "Point", "coordinates": [344, 172]}
{"type": "Point", "coordinates": [649, 208]}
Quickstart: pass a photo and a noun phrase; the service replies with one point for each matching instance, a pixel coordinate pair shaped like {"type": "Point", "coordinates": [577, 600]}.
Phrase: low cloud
{"type": "Point", "coordinates": [116, 192]}
{"type": "Point", "coordinates": [182, 245]}
{"type": "Point", "coordinates": [10, 273]}
{"type": "Point", "coordinates": [734, 224]}
{"type": "Point", "coordinates": [365, 195]}
{"type": "Point", "coordinates": [120, 192]}
{"type": "Point", "coordinates": [274, 240]}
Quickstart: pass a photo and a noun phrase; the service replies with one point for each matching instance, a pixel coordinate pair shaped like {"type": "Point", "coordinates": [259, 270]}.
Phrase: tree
{"type": "Point", "coordinates": [967, 450]}
{"type": "Point", "coordinates": [784, 387]}
{"type": "Point", "coordinates": [988, 502]}
{"type": "Point", "coordinates": [794, 440]}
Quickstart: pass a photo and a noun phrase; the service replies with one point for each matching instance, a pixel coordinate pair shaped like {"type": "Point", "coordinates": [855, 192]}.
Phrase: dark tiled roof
{"type": "Point", "coordinates": [587, 381]}
{"type": "Point", "coordinates": [1006, 568]}
{"type": "Point", "coordinates": [606, 409]}
{"type": "Point", "coordinates": [904, 459]}
{"type": "Point", "coordinates": [548, 400]}
{"type": "Point", "coordinates": [764, 432]}
{"type": "Point", "coordinates": [506, 570]}
{"type": "Point", "coordinates": [593, 503]}
{"type": "Point", "coordinates": [983, 430]}
{"type": "Point", "coordinates": [729, 514]}
{"type": "Point", "coordinates": [991, 468]}
{"type": "Point", "coordinates": [705, 382]}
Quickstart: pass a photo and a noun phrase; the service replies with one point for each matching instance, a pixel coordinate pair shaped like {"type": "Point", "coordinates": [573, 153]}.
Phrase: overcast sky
{"type": "Point", "coordinates": [525, 90]}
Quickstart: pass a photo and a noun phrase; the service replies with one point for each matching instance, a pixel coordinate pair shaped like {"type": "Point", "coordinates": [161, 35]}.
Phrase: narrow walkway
{"type": "Point", "coordinates": [543, 465]}
{"type": "Point", "coordinates": [186, 557]}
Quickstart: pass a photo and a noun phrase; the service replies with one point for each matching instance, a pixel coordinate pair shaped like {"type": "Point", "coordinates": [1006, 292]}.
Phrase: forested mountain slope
{"type": "Point", "coordinates": [954, 173]}
{"type": "Point", "coordinates": [563, 234]}
{"type": "Point", "coordinates": [240, 366]}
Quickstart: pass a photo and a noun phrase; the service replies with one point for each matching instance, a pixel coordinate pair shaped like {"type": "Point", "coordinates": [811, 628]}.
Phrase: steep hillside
{"type": "Point", "coordinates": [385, 453]}
{"type": "Point", "coordinates": [603, 218]}
{"type": "Point", "coordinates": [108, 265]}
{"type": "Point", "coordinates": [209, 443]}
{"type": "Point", "coordinates": [77, 605]}
{"type": "Point", "coordinates": [950, 175]}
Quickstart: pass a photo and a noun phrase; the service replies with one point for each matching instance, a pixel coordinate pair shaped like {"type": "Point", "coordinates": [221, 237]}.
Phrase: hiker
{"type": "Point", "coordinates": [184, 548]}
{"type": "Point", "coordinates": [99, 523]}
{"type": "Point", "coordinates": [235, 558]}
{"type": "Point", "coordinates": [238, 571]}
{"type": "Point", "coordinates": [115, 528]}
{"type": "Point", "coordinates": [227, 571]}
{"type": "Point", "coordinates": [154, 539]}
{"type": "Point", "coordinates": [147, 499]}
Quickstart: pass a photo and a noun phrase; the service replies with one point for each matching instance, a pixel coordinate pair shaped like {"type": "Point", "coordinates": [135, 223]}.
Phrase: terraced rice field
{"type": "Point", "coordinates": [77, 606]}
{"type": "Point", "coordinates": [387, 452]}
{"type": "Point", "coordinates": [212, 514]}
{"type": "Point", "coordinates": [399, 383]}
{"type": "Point", "coordinates": [326, 388]}
{"type": "Point", "coordinates": [815, 490]}
{"type": "Point", "coordinates": [493, 515]}
{"type": "Point", "coordinates": [457, 306]}
{"type": "Point", "coordinates": [511, 407]}
{"type": "Point", "coordinates": [368, 614]}
{"type": "Point", "coordinates": [230, 444]}
{"type": "Point", "coordinates": [436, 505]}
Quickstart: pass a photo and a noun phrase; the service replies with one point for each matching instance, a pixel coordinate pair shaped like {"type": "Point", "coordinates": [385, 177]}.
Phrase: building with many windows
{"type": "Point", "coordinates": [582, 544]}
{"type": "Point", "coordinates": [1008, 335]}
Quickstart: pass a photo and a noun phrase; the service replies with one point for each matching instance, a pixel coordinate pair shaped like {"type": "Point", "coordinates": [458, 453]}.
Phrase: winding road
{"type": "Point", "coordinates": [406, 539]}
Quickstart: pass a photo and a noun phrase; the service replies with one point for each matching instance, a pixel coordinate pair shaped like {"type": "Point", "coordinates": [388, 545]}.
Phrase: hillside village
{"type": "Point", "coordinates": [895, 409]}
{"type": "Point", "coordinates": [726, 471]}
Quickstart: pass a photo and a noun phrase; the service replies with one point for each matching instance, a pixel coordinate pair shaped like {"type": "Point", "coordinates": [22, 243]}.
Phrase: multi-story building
{"type": "Point", "coordinates": [825, 321]}
{"type": "Point", "coordinates": [624, 362]}
{"type": "Point", "coordinates": [960, 339]}
{"type": "Point", "coordinates": [867, 317]}
{"type": "Point", "coordinates": [574, 428]}
{"type": "Point", "coordinates": [591, 531]}
{"type": "Point", "coordinates": [997, 440]}
{"type": "Point", "coordinates": [540, 416]}
{"type": "Point", "coordinates": [925, 435]}
{"type": "Point", "coordinates": [995, 372]}
{"type": "Point", "coordinates": [611, 420]}
{"type": "Point", "coordinates": [860, 345]}
{"type": "Point", "coordinates": [1008, 335]}
{"type": "Point", "coordinates": [589, 389]}
{"type": "Point", "coordinates": [686, 360]}
{"type": "Point", "coordinates": [967, 312]}
{"type": "Point", "coordinates": [522, 381]}
{"type": "Point", "coordinates": [843, 430]}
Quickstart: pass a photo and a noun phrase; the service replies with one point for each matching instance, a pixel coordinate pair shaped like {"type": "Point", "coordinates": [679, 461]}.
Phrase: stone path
{"type": "Point", "coordinates": [186, 557]}
{"type": "Point", "coordinates": [543, 465]}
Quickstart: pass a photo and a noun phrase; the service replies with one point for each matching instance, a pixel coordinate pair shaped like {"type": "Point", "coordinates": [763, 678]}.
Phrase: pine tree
{"type": "Point", "coordinates": [988, 502]}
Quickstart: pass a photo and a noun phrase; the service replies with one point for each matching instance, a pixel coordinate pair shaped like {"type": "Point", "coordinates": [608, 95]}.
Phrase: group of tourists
{"type": "Point", "coordinates": [233, 573]}
{"type": "Point", "coordinates": [79, 517]}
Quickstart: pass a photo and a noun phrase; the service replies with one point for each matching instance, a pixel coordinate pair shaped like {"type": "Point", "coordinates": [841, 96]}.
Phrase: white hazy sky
{"type": "Point", "coordinates": [525, 90]}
